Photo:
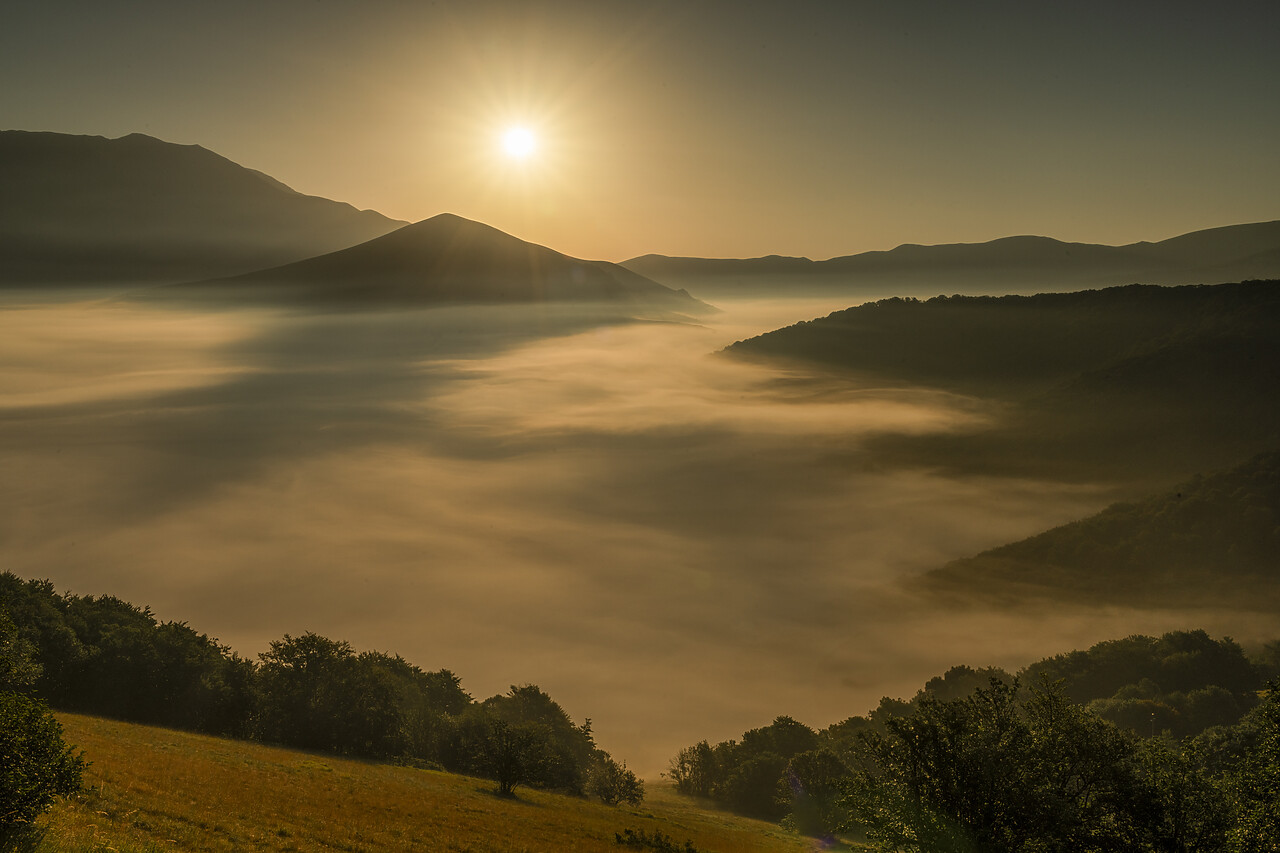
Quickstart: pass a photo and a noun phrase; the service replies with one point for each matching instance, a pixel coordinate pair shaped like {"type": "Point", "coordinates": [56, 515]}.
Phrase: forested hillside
{"type": "Point", "coordinates": [1135, 383]}
{"type": "Point", "coordinates": [1018, 345]}
{"type": "Point", "coordinates": [107, 657]}
{"type": "Point", "coordinates": [1213, 540]}
{"type": "Point", "coordinates": [1143, 743]}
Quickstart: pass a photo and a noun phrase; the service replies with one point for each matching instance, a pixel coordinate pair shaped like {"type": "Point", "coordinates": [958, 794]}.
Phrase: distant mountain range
{"type": "Point", "coordinates": [90, 209]}
{"type": "Point", "coordinates": [1210, 541]}
{"type": "Point", "coordinates": [136, 209]}
{"type": "Point", "coordinates": [84, 209]}
{"type": "Point", "coordinates": [1010, 264]}
{"type": "Point", "coordinates": [448, 260]}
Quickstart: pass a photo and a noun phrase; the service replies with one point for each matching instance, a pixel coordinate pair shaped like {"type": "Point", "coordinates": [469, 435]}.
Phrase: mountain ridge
{"type": "Point", "coordinates": [1224, 253]}
{"type": "Point", "coordinates": [136, 208]}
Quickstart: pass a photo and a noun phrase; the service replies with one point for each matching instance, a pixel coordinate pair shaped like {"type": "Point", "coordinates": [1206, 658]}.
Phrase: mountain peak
{"type": "Point", "coordinates": [449, 259]}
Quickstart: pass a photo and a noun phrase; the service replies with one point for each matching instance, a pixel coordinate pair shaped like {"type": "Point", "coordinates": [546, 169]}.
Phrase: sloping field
{"type": "Point", "coordinates": [151, 789]}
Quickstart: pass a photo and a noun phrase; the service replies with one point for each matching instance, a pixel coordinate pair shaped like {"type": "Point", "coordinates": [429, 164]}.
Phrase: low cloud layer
{"type": "Point", "coordinates": [670, 542]}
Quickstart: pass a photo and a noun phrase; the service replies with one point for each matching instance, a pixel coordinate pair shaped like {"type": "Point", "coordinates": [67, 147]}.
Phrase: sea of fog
{"type": "Point", "coordinates": [674, 544]}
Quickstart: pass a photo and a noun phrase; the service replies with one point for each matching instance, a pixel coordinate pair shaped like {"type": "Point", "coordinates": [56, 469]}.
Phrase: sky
{"type": "Point", "coordinates": [709, 128]}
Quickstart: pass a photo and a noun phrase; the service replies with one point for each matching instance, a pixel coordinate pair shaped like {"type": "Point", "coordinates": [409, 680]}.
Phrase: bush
{"type": "Point", "coordinates": [613, 783]}
{"type": "Point", "coordinates": [36, 766]}
{"type": "Point", "coordinates": [657, 841]}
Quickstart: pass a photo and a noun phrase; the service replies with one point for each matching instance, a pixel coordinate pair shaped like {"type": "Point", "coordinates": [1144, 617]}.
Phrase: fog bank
{"type": "Point", "coordinates": [670, 542]}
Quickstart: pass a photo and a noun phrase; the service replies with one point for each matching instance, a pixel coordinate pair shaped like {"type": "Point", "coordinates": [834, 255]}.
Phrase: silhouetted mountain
{"type": "Point", "coordinates": [1010, 264]}
{"type": "Point", "coordinates": [86, 208]}
{"type": "Point", "coordinates": [1210, 541]}
{"type": "Point", "coordinates": [449, 260]}
{"type": "Point", "coordinates": [1140, 381]}
{"type": "Point", "coordinates": [985, 344]}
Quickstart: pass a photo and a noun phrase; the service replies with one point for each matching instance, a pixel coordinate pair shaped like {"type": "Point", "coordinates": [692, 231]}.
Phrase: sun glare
{"type": "Point", "coordinates": [519, 142]}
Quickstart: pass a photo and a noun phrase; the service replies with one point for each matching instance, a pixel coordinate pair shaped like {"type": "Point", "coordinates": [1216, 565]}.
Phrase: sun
{"type": "Point", "coordinates": [519, 143]}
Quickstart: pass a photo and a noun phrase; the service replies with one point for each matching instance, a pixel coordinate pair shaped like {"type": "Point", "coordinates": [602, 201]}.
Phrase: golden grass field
{"type": "Point", "coordinates": [150, 789]}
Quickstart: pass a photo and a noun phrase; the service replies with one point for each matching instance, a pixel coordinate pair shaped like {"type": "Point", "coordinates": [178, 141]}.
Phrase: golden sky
{"type": "Point", "coordinates": [695, 128]}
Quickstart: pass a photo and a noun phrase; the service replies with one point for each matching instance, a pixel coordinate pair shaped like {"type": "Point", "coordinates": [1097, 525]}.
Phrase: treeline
{"type": "Point", "coordinates": [107, 657]}
{"type": "Point", "coordinates": [1138, 744]}
{"type": "Point", "coordinates": [1025, 344]}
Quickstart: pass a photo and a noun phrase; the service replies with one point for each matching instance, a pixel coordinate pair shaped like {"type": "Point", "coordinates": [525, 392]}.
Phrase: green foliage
{"type": "Point", "coordinates": [987, 773]}
{"type": "Point", "coordinates": [1183, 682]}
{"type": "Point", "coordinates": [511, 754]}
{"type": "Point", "coordinates": [1254, 781]}
{"type": "Point", "coordinates": [972, 762]}
{"type": "Point", "coordinates": [751, 786]}
{"type": "Point", "coordinates": [1178, 802]}
{"type": "Point", "coordinates": [641, 840]}
{"type": "Point", "coordinates": [18, 669]}
{"type": "Point", "coordinates": [319, 694]}
{"type": "Point", "coordinates": [36, 766]}
{"type": "Point", "coordinates": [695, 770]}
{"type": "Point", "coordinates": [613, 783]}
{"type": "Point", "coordinates": [107, 657]}
{"type": "Point", "coordinates": [568, 749]}
{"type": "Point", "coordinates": [745, 776]}
{"type": "Point", "coordinates": [811, 790]}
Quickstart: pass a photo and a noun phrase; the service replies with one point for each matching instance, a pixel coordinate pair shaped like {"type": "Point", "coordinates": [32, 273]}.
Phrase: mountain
{"type": "Point", "coordinates": [1212, 540]}
{"type": "Point", "coordinates": [449, 260]}
{"type": "Point", "coordinates": [1009, 264]}
{"type": "Point", "coordinates": [86, 208]}
{"type": "Point", "coordinates": [1007, 344]}
{"type": "Point", "coordinates": [1140, 382]}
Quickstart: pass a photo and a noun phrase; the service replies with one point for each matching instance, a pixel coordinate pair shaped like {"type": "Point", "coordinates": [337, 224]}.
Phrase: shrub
{"type": "Point", "coordinates": [642, 840]}
{"type": "Point", "coordinates": [36, 766]}
{"type": "Point", "coordinates": [613, 783]}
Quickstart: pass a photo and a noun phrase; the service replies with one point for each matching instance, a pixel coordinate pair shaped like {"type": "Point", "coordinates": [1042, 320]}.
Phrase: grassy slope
{"type": "Point", "coordinates": [151, 789]}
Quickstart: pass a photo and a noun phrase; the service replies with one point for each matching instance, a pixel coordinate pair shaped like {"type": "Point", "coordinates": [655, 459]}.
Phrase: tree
{"type": "Point", "coordinates": [36, 766]}
{"type": "Point", "coordinates": [569, 748]}
{"type": "Point", "coordinates": [694, 770]}
{"type": "Point", "coordinates": [318, 694]}
{"type": "Point", "coordinates": [751, 787]}
{"type": "Point", "coordinates": [811, 787]}
{"type": "Point", "coordinates": [988, 773]}
{"type": "Point", "coordinates": [1177, 804]}
{"type": "Point", "coordinates": [18, 668]}
{"type": "Point", "coordinates": [613, 783]}
{"type": "Point", "coordinates": [1255, 781]}
{"type": "Point", "coordinates": [511, 754]}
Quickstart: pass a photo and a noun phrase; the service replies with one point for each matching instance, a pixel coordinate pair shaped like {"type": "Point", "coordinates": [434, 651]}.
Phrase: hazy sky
{"type": "Point", "coordinates": [703, 128]}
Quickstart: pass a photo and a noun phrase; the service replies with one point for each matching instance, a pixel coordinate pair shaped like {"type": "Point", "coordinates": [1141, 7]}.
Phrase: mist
{"type": "Point", "coordinates": [673, 543]}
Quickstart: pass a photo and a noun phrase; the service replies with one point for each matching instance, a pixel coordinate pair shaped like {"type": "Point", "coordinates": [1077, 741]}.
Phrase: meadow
{"type": "Point", "coordinates": [151, 789]}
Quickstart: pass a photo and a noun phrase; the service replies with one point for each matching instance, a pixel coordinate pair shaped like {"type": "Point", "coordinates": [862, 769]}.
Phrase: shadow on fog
{"type": "Point", "coordinates": [671, 542]}
{"type": "Point", "coordinates": [267, 387]}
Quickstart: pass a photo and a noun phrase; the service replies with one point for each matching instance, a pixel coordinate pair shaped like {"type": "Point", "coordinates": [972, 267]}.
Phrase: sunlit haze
{"type": "Point", "coordinates": [519, 143]}
{"type": "Point", "coordinates": [712, 129]}
{"type": "Point", "coordinates": [462, 435]}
